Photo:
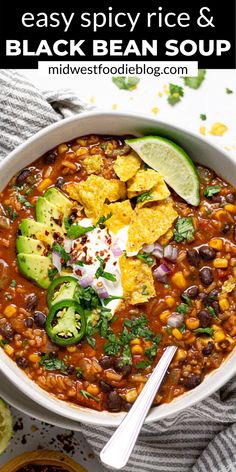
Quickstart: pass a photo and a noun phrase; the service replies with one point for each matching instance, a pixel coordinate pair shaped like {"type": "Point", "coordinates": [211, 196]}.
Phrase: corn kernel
{"type": "Point", "coordinates": [202, 130]}
{"type": "Point", "coordinates": [62, 148]}
{"type": "Point", "coordinates": [81, 152]}
{"type": "Point", "coordinates": [164, 315]}
{"type": "Point", "coordinates": [177, 333]}
{"type": "Point", "coordinates": [179, 280]}
{"type": "Point", "coordinates": [219, 336]}
{"type": "Point", "coordinates": [9, 311]}
{"type": "Point", "coordinates": [215, 327]}
{"type": "Point", "coordinates": [218, 129]}
{"type": "Point", "coordinates": [44, 184]}
{"type": "Point", "coordinates": [135, 341]}
{"type": "Point", "coordinates": [192, 323]}
{"type": "Point", "coordinates": [230, 208]}
{"type": "Point", "coordinates": [9, 350]}
{"type": "Point", "coordinates": [180, 354]}
{"type": "Point", "coordinates": [131, 396]}
{"type": "Point", "coordinates": [71, 348]}
{"type": "Point", "coordinates": [93, 389]}
{"type": "Point", "coordinates": [216, 244]}
{"type": "Point", "coordinates": [81, 141]}
{"type": "Point", "coordinates": [224, 304]}
{"type": "Point", "coordinates": [233, 262]}
{"type": "Point", "coordinates": [137, 349]}
{"type": "Point", "coordinates": [220, 263]}
{"type": "Point", "coordinates": [220, 214]}
{"type": "Point", "coordinates": [140, 388]}
{"type": "Point", "coordinates": [35, 358]}
{"type": "Point", "coordinates": [170, 301]}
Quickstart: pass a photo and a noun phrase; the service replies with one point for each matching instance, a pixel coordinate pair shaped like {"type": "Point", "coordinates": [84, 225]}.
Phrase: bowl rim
{"type": "Point", "coordinates": [67, 409]}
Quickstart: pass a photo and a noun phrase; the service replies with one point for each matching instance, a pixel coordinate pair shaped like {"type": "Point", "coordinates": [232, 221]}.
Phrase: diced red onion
{"type": "Point", "coordinates": [170, 253]}
{"type": "Point", "coordinates": [116, 251]}
{"type": "Point", "coordinates": [102, 292]}
{"type": "Point", "coordinates": [158, 251]}
{"type": "Point", "coordinates": [56, 260]}
{"type": "Point", "coordinates": [149, 248]}
{"type": "Point", "coordinates": [86, 280]}
{"type": "Point", "coordinates": [161, 272]}
{"type": "Point", "coordinates": [70, 262]}
{"type": "Point", "coordinates": [68, 244]}
{"type": "Point", "coordinates": [175, 320]}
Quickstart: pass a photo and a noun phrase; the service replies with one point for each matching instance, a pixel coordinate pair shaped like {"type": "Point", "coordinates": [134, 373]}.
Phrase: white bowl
{"type": "Point", "coordinates": [97, 122]}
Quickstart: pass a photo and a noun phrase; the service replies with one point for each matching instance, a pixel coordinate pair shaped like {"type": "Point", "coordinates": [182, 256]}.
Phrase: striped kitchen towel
{"type": "Point", "coordinates": [199, 439]}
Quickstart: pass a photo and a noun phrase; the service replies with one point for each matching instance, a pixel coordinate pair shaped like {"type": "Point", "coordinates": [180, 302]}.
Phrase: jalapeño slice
{"type": "Point", "coordinates": [65, 324]}
{"type": "Point", "coordinates": [63, 288]}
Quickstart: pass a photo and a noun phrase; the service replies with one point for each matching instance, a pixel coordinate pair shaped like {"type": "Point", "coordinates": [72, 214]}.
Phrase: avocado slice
{"type": "Point", "coordinates": [49, 215]}
{"type": "Point", "coordinates": [35, 230]}
{"type": "Point", "coordinates": [29, 245]}
{"type": "Point", "coordinates": [57, 198]}
{"type": "Point", "coordinates": [35, 268]}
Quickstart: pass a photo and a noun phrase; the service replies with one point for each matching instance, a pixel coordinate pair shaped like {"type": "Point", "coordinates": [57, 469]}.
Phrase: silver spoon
{"type": "Point", "coordinates": [117, 451]}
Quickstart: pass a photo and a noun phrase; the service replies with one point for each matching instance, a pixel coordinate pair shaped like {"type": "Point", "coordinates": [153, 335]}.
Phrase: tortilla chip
{"type": "Point", "coordinates": [137, 280]}
{"type": "Point", "coordinates": [126, 167]}
{"type": "Point", "coordinates": [93, 164]}
{"type": "Point", "coordinates": [229, 285]}
{"type": "Point", "coordinates": [159, 192]}
{"type": "Point", "coordinates": [121, 215]}
{"type": "Point", "coordinates": [93, 192]}
{"type": "Point", "coordinates": [163, 240]}
{"type": "Point", "coordinates": [143, 181]}
{"type": "Point", "coordinates": [148, 224]}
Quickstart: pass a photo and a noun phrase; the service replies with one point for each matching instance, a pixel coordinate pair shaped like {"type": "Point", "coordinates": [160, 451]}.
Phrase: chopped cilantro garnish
{"type": "Point", "coordinates": [126, 356]}
{"type": "Point", "coordinates": [24, 201]}
{"type": "Point", "coordinates": [208, 331]}
{"type": "Point", "coordinates": [88, 298]}
{"type": "Point", "coordinates": [10, 213]}
{"type": "Point", "coordinates": [229, 91]}
{"type": "Point", "coordinates": [203, 117]}
{"type": "Point", "coordinates": [52, 273]}
{"type": "Point", "coordinates": [61, 251]}
{"type": "Point", "coordinates": [187, 299]}
{"type": "Point", "coordinates": [151, 351]}
{"type": "Point", "coordinates": [147, 258]}
{"type": "Point", "coordinates": [182, 308]}
{"type": "Point", "coordinates": [212, 312]}
{"type": "Point", "coordinates": [112, 348]}
{"type": "Point", "coordinates": [101, 273]}
{"type": "Point", "coordinates": [195, 82]}
{"type": "Point", "coordinates": [86, 394]}
{"type": "Point", "coordinates": [211, 190]}
{"type": "Point", "coordinates": [12, 284]}
{"type": "Point", "coordinates": [143, 197]}
{"type": "Point", "coordinates": [126, 82]}
{"type": "Point", "coordinates": [76, 231]}
{"type": "Point", "coordinates": [78, 372]}
{"type": "Point", "coordinates": [182, 328]}
{"type": "Point", "coordinates": [103, 220]}
{"type": "Point", "coordinates": [51, 363]}
{"type": "Point", "coordinates": [109, 299]}
{"type": "Point", "coordinates": [142, 365]}
{"type": "Point", "coordinates": [176, 92]}
{"type": "Point", "coordinates": [91, 341]}
{"type": "Point", "coordinates": [184, 230]}
{"type": "Point", "coordinates": [3, 342]}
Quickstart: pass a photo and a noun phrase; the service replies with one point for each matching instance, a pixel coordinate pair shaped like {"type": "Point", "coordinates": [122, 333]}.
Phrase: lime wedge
{"type": "Point", "coordinates": [6, 426]}
{"type": "Point", "coordinates": [172, 162]}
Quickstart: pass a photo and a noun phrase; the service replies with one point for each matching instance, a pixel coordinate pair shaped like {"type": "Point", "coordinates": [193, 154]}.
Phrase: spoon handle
{"type": "Point", "coordinates": [117, 451]}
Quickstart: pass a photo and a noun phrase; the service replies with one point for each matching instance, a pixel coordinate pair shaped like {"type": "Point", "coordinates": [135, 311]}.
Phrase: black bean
{"type": "Point", "coordinates": [105, 387]}
{"type": "Point", "coordinates": [22, 362]}
{"type": "Point", "coordinates": [60, 182]}
{"type": "Point", "coordinates": [207, 350]}
{"type": "Point", "coordinates": [107, 362]}
{"type": "Point", "coordinates": [39, 319]}
{"type": "Point", "coordinates": [7, 331]}
{"type": "Point", "coordinates": [125, 370]}
{"type": "Point", "coordinates": [31, 301]}
{"type": "Point", "coordinates": [29, 322]}
{"type": "Point", "coordinates": [192, 381]}
{"type": "Point", "coordinates": [213, 295]}
{"type": "Point", "coordinates": [203, 297]}
{"type": "Point", "coordinates": [71, 369]}
{"type": "Point", "coordinates": [50, 157]}
{"type": "Point", "coordinates": [126, 406]}
{"type": "Point", "coordinates": [207, 253]}
{"type": "Point", "coordinates": [215, 305]}
{"type": "Point", "coordinates": [206, 275]}
{"type": "Point", "coordinates": [205, 318]}
{"type": "Point", "coordinates": [22, 177]}
{"type": "Point", "coordinates": [226, 228]}
{"type": "Point", "coordinates": [193, 257]}
{"type": "Point", "coordinates": [231, 197]}
{"type": "Point", "coordinates": [114, 402]}
{"type": "Point", "coordinates": [218, 199]}
{"type": "Point", "coordinates": [191, 292]}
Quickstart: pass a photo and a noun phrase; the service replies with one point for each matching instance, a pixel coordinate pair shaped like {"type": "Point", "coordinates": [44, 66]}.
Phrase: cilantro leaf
{"type": "Point", "coordinates": [88, 298]}
{"type": "Point", "coordinates": [152, 351]}
{"type": "Point", "coordinates": [147, 258]}
{"type": "Point", "coordinates": [103, 220]}
{"type": "Point", "coordinates": [126, 358]}
{"type": "Point", "coordinates": [86, 394]}
{"type": "Point", "coordinates": [203, 117]}
{"type": "Point", "coordinates": [52, 273]}
{"type": "Point", "coordinates": [52, 363]}
{"type": "Point", "coordinates": [187, 299]}
{"type": "Point", "coordinates": [208, 331]}
{"type": "Point", "coordinates": [112, 348]}
{"type": "Point", "coordinates": [23, 200]}
{"type": "Point", "coordinates": [12, 284]}
{"type": "Point", "coordinates": [182, 308]}
{"type": "Point", "coordinates": [78, 372]}
{"type": "Point", "coordinates": [142, 365]}
{"type": "Point", "coordinates": [195, 82]}
{"type": "Point", "coordinates": [61, 251]}
{"type": "Point", "coordinates": [212, 312]}
{"type": "Point", "coordinates": [176, 92]}
{"type": "Point", "coordinates": [109, 299]}
{"type": "Point", "coordinates": [11, 214]}
{"type": "Point", "coordinates": [211, 190]}
{"type": "Point", "coordinates": [101, 273]}
{"type": "Point", "coordinates": [229, 91]}
{"type": "Point", "coordinates": [143, 197]}
{"type": "Point", "coordinates": [126, 82]}
{"type": "Point", "coordinates": [184, 230]}
{"type": "Point", "coordinates": [76, 231]}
